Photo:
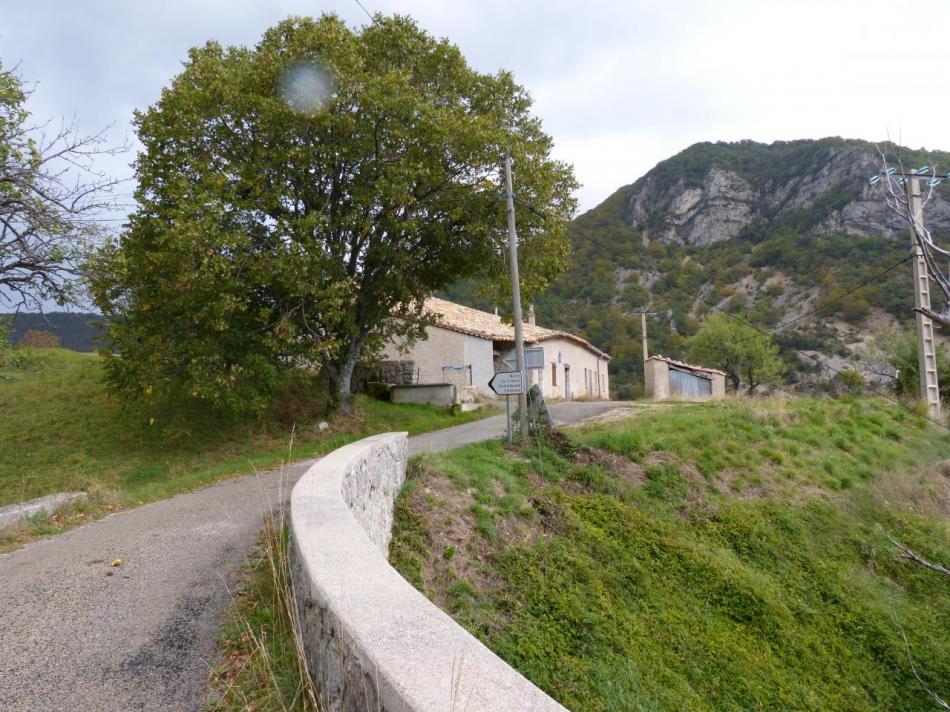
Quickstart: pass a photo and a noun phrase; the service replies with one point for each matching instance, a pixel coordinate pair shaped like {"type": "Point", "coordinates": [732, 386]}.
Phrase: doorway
{"type": "Point", "coordinates": [567, 381]}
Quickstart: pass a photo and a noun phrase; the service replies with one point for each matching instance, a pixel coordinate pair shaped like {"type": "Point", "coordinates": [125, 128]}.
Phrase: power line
{"type": "Point", "coordinates": [827, 304]}
{"type": "Point", "coordinates": [740, 319]}
{"type": "Point", "coordinates": [368, 14]}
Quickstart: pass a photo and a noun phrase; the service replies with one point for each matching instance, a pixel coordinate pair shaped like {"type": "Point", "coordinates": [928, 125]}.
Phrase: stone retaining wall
{"type": "Point", "coordinates": [372, 642]}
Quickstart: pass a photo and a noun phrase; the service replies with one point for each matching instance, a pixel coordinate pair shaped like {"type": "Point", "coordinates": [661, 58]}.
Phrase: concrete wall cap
{"type": "Point", "coordinates": [415, 656]}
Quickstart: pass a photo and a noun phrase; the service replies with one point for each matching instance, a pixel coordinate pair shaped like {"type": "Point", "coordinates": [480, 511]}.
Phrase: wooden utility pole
{"type": "Point", "coordinates": [643, 332]}
{"type": "Point", "coordinates": [516, 299]}
{"type": "Point", "coordinates": [926, 348]}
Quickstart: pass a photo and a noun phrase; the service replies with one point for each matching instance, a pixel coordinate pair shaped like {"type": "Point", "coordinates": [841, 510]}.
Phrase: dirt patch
{"type": "Point", "coordinates": [456, 549]}
{"type": "Point", "coordinates": [660, 459]}
{"type": "Point", "coordinates": [627, 470]}
{"type": "Point", "coordinates": [732, 482]}
{"type": "Point", "coordinates": [926, 491]}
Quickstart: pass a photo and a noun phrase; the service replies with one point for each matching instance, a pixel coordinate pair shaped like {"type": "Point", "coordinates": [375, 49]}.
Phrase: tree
{"type": "Point", "coordinates": [300, 199]}
{"type": "Point", "coordinates": [39, 338]}
{"type": "Point", "coordinates": [50, 198]}
{"type": "Point", "coordinates": [891, 357]}
{"type": "Point", "coordinates": [747, 355]}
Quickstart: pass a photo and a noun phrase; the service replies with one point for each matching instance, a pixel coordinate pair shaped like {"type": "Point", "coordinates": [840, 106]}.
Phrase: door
{"type": "Point", "coordinates": [567, 381]}
{"type": "Point", "coordinates": [684, 384]}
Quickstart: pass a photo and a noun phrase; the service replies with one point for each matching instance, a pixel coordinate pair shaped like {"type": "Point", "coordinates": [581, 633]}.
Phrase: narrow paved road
{"type": "Point", "coordinates": [77, 634]}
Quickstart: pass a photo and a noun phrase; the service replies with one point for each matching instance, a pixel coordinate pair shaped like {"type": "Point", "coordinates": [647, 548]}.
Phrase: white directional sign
{"type": "Point", "coordinates": [506, 383]}
{"type": "Point", "coordinates": [533, 356]}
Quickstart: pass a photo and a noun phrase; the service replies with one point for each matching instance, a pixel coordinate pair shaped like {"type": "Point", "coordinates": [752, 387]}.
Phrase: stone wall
{"type": "Point", "coordinates": [401, 373]}
{"type": "Point", "coordinates": [425, 394]}
{"type": "Point", "coordinates": [373, 643]}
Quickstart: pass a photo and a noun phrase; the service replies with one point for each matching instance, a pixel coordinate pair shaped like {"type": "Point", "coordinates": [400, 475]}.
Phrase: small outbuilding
{"type": "Point", "coordinates": [669, 379]}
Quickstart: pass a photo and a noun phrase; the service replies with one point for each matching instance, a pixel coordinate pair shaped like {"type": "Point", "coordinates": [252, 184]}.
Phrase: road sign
{"type": "Point", "coordinates": [506, 383]}
{"type": "Point", "coordinates": [533, 356]}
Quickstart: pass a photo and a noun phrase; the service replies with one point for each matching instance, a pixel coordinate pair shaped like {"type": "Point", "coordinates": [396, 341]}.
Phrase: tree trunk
{"type": "Point", "coordinates": [734, 378]}
{"type": "Point", "coordinates": [340, 374]}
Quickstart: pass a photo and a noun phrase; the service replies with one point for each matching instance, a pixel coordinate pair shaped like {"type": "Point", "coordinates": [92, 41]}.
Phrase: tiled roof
{"type": "Point", "coordinates": [474, 322]}
{"type": "Point", "coordinates": [691, 367]}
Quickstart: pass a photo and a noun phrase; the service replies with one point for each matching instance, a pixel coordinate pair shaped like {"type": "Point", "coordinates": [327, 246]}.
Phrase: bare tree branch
{"type": "Point", "coordinates": [52, 202]}
{"type": "Point", "coordinates": [910, 554]}
{"type": "Point", "coordinates": [896, 198]}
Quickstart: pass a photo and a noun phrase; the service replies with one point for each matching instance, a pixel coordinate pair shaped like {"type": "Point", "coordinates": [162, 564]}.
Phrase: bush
{"type": "Point", "coordinates": [39, 339]}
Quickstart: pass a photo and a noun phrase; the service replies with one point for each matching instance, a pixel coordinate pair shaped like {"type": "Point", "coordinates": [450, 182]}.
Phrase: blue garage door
{"type": "Point", "coordinates": [686, 384]}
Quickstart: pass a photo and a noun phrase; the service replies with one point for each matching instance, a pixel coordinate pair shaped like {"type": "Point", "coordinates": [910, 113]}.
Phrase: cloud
{"type": "Point", "coordinates": [620, 85]}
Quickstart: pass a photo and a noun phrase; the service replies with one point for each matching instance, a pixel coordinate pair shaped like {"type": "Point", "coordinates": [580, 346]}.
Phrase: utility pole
{"type": "Point", "coordinates": [516, 299]}
{"type": "Point", "coordinates": [926, 349]}
{"type": "Point", "coordinates": [643, 333]}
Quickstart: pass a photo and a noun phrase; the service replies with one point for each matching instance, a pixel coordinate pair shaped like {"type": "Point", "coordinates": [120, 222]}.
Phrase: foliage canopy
{"type": "Point", "coordinates": [286, 221]}
{"type": "Point", "coordinates": [747, 355]}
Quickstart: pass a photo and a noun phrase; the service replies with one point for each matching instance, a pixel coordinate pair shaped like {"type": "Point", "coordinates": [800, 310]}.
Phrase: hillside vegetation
{"type": "Point", "coordinates": [704, 557]}
{"type": "Point", "coordinates": [769, 232]}
{"type": "Point", "coordinates": [62, 431]}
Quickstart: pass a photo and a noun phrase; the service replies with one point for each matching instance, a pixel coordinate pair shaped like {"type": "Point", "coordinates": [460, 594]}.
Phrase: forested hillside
{"type": "Point", "coordinates": [770, 232]}
{"type": "Point", "coordinates": [76, 331]}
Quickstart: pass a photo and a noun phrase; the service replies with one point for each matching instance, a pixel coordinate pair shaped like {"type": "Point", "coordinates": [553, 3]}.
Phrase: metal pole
{"type": "Point", "coordinates": [516, 298]}
{"type": "Point", "coordinates": [508, 414]}
{"type": "Point", "coordinates": [926, 348]}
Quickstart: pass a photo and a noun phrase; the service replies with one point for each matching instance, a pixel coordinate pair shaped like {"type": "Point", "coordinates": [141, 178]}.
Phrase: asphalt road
{"type": "Point", "coordinates": [78, 634]}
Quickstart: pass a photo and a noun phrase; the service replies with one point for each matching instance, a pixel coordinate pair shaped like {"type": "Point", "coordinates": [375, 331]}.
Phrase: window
{"type": "Point", "coordinates": [553, 374]}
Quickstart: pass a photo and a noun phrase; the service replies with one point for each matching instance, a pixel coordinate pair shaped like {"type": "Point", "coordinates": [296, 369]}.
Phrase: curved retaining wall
{"type": "Point", "coordinates": [372, 642]}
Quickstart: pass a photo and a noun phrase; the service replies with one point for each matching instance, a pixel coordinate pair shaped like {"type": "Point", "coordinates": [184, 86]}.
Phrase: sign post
{"type": "Point", "coordinates": [507, 383]}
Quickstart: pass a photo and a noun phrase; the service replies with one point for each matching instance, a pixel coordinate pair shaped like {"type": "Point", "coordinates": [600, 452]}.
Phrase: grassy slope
{"type": "Point", "coordinates": [732, 557]}
{"type": "Point", "coordinates": [61, 431]}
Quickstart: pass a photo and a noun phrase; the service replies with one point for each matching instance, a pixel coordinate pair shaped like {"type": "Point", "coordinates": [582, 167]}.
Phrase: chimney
{"type": "Point", "coordinates": [531, 315]}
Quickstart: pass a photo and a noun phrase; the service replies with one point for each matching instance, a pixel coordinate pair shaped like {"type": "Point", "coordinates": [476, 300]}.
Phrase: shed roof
{"type": "Point", "coordinates": [475, 322]}
{"type": "Point", "coordinates": [688, 366]}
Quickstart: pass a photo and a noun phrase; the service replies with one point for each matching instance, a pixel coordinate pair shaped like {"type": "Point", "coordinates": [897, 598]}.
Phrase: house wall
{"type": "Point", "coordinates": [479, 352]}
{"type": "Point", "coordinates": [441, 347]}
{"type": "Point", "coordinates": [657, 379]}
{"type": "Point", "coordinates": [595, 386]}
{"type": "Point", "coordinates": [718, 386]}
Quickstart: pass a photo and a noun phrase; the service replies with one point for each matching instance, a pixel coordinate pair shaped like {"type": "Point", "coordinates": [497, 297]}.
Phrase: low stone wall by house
{"type": "Point", "coordinates": [373, 643]}
{"type": "Point", "coordinates": [425, 394]}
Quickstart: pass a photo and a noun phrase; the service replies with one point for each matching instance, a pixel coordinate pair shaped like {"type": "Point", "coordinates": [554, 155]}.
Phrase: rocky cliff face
{"type": "Point", "coordinates": [822, 191]}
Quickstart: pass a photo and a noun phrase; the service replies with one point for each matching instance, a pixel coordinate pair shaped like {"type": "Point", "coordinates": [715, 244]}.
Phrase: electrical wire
{"type": "Point", "coordinates": [740, 319]}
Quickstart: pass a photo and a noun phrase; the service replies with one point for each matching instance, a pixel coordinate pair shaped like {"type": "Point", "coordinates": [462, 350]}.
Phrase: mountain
{"type": "Point", "coordinates": [76, 331]}
{"type": "Point", "coordinates": [766, 231]}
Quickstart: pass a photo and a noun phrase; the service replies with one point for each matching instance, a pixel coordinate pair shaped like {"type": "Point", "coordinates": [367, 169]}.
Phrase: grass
{"type": "Point", "coordinates": [262, 665]}
{"type": "Point", "coordinates": [722, 557]}
{"type": "Point", "coordinates": [62, 431]}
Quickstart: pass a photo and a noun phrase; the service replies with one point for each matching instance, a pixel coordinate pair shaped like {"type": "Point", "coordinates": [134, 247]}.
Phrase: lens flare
{"type": "Point", "coordinates": [306, 87]}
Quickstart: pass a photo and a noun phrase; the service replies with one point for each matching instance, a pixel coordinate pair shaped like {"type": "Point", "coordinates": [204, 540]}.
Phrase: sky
{"type": "Point", "coordinates": [619, 85]}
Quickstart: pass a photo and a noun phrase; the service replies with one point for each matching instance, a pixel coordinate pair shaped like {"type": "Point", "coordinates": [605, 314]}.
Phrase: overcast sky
{"type": "Point", "coordinates": [619, 85]}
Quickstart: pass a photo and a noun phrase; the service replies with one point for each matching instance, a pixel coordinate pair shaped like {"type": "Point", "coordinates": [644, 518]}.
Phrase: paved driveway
{"type": "Point", "coordinates": [73, 637]}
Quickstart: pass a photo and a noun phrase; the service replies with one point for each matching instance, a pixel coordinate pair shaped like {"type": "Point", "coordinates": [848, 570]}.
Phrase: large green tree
{"type": "Point", "coordinates": [746, 354]}
{"type": "Point", "coordinates": [299, 199]}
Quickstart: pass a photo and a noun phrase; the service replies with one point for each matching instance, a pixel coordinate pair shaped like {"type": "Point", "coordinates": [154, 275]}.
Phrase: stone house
{"type": "Point", "coordinates": [669, 379]}
{"type": "Point", "coordinates": [468, 346]}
